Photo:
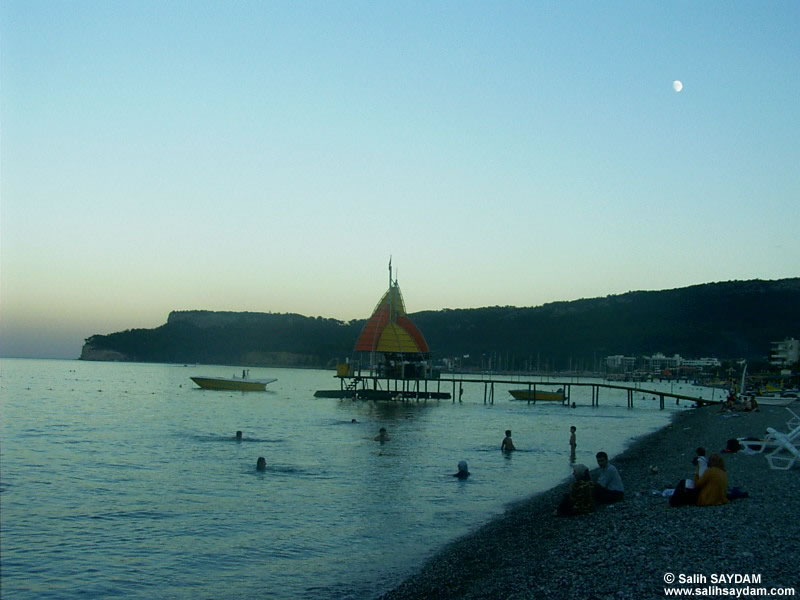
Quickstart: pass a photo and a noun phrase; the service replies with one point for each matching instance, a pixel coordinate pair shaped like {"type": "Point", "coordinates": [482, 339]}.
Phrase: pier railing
{"type": "Point", "coordinates": [404, 389]}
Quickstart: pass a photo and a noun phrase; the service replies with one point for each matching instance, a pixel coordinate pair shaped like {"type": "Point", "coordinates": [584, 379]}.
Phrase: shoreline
{"type": "Point", "coordinates": [624, 550]}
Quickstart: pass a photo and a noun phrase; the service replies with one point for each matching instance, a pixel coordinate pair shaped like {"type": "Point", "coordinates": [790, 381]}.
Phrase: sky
{"type": "Point", "coordinates": [272, 156]}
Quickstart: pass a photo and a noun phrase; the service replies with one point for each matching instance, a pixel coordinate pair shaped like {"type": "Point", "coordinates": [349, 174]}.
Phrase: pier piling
{"type": "Point", "coordinates": [372, 387]}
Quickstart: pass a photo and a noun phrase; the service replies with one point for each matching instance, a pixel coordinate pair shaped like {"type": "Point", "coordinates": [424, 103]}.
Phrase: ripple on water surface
{"type": "Point", "coordinates": [123, 480]}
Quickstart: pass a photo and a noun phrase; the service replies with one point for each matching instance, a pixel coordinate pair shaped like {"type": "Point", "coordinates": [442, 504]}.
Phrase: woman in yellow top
{"type": "Point", "coordinates": [712, 487]}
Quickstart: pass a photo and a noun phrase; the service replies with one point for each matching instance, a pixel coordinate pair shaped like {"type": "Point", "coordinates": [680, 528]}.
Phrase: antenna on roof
{"type": "Point", "coordinates": [390, 270]}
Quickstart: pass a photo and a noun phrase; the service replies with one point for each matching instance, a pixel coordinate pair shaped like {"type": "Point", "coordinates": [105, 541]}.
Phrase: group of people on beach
{"type": "Point", "coordinates": [585, 493]}
{"type": "Point", "coordinates": [708, 486]}
{"type": "Point", "coordinates": [734, 403]}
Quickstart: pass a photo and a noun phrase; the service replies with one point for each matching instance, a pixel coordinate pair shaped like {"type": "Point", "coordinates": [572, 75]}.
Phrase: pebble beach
{"type": "Point", "coordinates": [628, 550]}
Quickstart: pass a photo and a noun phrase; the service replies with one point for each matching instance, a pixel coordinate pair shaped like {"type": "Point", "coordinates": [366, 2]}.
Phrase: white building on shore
{"type": "Point", "coordinates": [785, 353]}
{"type": "Point", "coordinates": [623, 364]}
{"type": "Point", "coordinates": [658, 362]}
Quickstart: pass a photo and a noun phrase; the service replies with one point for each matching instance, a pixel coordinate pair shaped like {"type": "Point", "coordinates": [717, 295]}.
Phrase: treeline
{"type": "Point", "coordinates": [252, 339]}
{"type": "Point", "coordinates": [736, 319]}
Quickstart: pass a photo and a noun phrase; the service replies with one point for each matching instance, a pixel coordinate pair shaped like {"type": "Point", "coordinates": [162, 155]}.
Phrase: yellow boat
{"type": "Point", "coordinates": [243, 384]}
{"type": "Point", "coordinates": [538, 395]}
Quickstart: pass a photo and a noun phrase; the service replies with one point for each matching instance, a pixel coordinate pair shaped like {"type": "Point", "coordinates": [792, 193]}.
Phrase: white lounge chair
{"type": "Point", "coordinates": [784, 456]}
{"type": "Point", "coordinates": [793, 436]}
{"type": "Point", "coordinates": [770, 440]}
{"type": "Point", "coordinates": [794, 421]}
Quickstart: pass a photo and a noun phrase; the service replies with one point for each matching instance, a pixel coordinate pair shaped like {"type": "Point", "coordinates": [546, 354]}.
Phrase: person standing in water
{"type": "Point", "coordinates": [507, 445]}
{"type": "Point", "coordinates": [572, 443]}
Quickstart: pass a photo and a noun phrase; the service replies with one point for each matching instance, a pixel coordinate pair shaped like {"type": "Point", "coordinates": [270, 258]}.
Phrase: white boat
{"type": "Point", "coordinates": [239, 384]}
{"type": "Point", "coordinates": [775, 400]}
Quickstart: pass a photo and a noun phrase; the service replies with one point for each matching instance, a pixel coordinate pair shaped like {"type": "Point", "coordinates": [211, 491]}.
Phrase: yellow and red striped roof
{"type": "Point", "coordinates": [389, 329]}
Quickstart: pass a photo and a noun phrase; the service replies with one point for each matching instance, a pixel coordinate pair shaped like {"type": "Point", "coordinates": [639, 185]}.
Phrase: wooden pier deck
{"type": "Point", "coordinates": [372, 387]}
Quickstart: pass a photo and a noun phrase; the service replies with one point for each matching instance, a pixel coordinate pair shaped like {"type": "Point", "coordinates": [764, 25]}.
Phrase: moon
{"type": "Point", "coordinates": [677, 85]}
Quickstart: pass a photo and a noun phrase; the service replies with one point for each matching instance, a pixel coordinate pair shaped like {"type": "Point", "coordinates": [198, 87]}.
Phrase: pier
{"type": "Point", "coordinates": [374, 387]}
{"type": "Point", "coordinates": [400, 368]}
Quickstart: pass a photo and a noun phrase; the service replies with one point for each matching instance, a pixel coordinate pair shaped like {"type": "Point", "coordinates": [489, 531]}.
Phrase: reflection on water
{"type": "Point", "coordinates": [124, 479]}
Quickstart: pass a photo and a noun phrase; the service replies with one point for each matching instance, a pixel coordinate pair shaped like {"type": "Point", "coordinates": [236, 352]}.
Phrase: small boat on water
{"type": "Point", "coordinates": [538, 395]}
{"type": "Point", "coordinates": [243, 384]}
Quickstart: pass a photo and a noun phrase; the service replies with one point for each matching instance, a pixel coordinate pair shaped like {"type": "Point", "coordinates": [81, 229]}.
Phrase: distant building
{"type": "Point", "coordinates": [620, 363]}
{"type": "Point", "coordinates": [785, 353]}
{"type": "Point", "coordinates": [658, 362]}
{"type": "Point", "coordinates": [700, 363]}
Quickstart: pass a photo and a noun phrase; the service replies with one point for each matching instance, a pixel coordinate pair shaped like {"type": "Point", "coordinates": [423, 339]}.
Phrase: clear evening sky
{"type": "Point", "coordinates": [271, 156]}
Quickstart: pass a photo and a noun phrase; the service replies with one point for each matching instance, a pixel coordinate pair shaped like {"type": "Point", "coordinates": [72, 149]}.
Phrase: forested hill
{"type": "Point", "coordinates": [737, 319]}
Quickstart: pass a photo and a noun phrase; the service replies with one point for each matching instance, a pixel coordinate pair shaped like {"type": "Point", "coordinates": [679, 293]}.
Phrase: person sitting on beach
{"type": "Point", "coordinates": [712, 486]}
{"type": "Point", "coordinates": [382, 435]}
{"type": "Point", "coordinates": [261, 464]}
{"type": "Point", "coordinates": [750, 404]}
{"type": "Point", "coordinates": [580, 499]}
{"type": "Point", "coordinates": [507, 445]}
{"type": "Point", "coordinates": [686, 492]}
{"type": "Point", "coordinates": [608, 485]}
{"type": "Point", "coordinates": [463, 471]}
{"type": "Point", "coordinates": [700, 461]}
{"type": "Point", "coordinates": [730, 403]}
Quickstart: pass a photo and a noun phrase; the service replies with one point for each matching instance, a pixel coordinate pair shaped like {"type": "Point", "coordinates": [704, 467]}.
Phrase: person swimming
{"type": "Point", "coordinates": [261, 464]}
{"type": "Point", "coordinates": [238, 436]}
{"type": "Point", "coordinates": [382, 435]}
{"type": "Point", "coordinates": [463, 471]}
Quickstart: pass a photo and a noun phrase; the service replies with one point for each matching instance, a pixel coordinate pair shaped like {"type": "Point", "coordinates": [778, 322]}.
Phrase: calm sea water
{"type": "Point", "coordinates": [124, 480]}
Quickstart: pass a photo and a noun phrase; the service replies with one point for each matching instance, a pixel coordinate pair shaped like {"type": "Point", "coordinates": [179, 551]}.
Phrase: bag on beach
{"type": "Point", "coordinates": [732, 445]}
{"type": "Point", "coordinates": [736, 493]}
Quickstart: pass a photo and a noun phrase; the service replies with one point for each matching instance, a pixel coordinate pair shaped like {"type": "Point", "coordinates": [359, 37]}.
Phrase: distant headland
{"type": "Point", "coordinates": [728, 320]}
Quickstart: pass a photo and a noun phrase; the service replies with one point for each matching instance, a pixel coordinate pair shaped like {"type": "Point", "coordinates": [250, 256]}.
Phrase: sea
{"type": "Point", "coordinates": [125, 480]}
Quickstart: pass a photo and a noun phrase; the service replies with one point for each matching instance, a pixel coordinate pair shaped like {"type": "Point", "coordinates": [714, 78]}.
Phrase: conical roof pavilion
{"type": "Point", "coordinates": [389, 330]}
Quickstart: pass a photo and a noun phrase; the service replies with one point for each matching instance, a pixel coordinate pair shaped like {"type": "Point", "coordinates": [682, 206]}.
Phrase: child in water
{"type": "Point", "coordinates": [507, 445]}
